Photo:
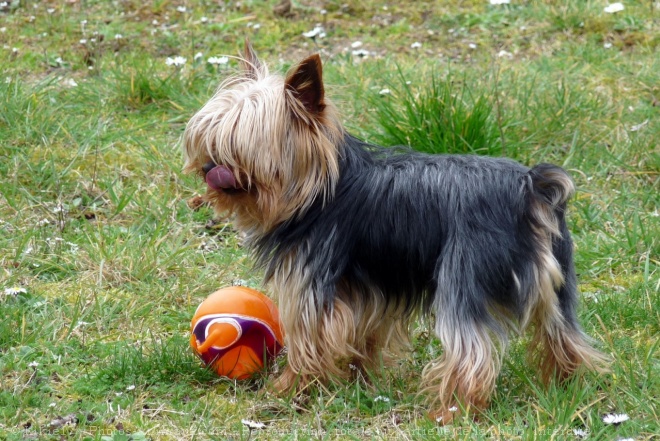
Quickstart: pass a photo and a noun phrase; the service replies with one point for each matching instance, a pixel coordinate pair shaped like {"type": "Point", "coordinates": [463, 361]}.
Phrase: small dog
{"type": "Point", "coordinates": [358, 241]}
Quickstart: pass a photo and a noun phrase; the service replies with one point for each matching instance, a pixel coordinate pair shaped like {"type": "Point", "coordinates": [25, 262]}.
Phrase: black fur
{"type": "Point", "coordinates": [421, 226]}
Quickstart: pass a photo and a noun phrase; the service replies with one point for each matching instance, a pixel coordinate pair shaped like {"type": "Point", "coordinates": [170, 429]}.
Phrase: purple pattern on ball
{"type": "Point", "coordinates": [247, 326]}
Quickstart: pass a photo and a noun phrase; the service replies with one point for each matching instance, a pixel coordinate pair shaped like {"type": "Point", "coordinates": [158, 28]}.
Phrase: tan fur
{"type": "Point", "coordinates": [560, 351]}
{"type": "Point", "coordinates": [556, 348]}
{"type": "Point", "coordinates": [284, 161]}
{"type": "Point", "coordinates": [323, 340]}
{"type": "Point", "coordinates": [466, 372]}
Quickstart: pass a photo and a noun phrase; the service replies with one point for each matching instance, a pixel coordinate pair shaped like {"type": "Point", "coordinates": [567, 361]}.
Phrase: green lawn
{"type": "Point", "coordinates": [102, 262]}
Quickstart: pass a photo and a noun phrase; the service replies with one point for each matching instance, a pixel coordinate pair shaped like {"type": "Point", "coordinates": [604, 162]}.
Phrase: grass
{"type": "Point", "coordinates": [108, 262]}
{"type": "Point", "coordinates": [438, 117]}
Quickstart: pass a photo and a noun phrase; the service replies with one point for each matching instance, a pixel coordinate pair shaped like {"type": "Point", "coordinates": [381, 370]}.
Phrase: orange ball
{"type": "Point", "coordinates": [235, 330]}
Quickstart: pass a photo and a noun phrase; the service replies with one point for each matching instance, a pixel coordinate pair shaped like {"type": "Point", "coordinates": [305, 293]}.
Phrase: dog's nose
{"type": "Point", "coordinates": [208, 167]}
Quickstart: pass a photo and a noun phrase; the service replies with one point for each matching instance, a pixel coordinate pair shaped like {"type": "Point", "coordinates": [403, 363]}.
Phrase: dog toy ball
{"type": "Point", "coordinates": [235, 331]}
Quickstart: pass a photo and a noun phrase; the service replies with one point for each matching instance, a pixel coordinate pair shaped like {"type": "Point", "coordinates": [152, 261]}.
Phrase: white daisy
{"type": "Point", "coordinates": [615, 418]}
{"type": "Point", "coordinates": [318, 31]}
{"type": "Point", "coordinates": [175, 61]}
{"type": "Point", "coordinates": [613, 8]}
{"type": "Point", "coordinates": [15, 290]}
{"type": "Point", "coordinates": [253, 424]}
{"type": "Point", "coordinates": [580, 433]}
{"type": "Point", "coordinates": [218, 60]}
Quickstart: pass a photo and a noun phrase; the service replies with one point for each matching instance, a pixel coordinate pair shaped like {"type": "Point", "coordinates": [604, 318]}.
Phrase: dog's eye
{"type": "Point", "coordinates": [209, 166]}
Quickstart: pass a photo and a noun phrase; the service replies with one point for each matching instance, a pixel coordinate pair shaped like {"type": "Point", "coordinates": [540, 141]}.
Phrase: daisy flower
{"type": "Point", "coordinates": [253, 424]}
{"type": "Point", "coordinates": [615, 418]}
{"type": "Point", "coordinates": [14, 291]}
{"type": "Point", "coordinates": [318, 31]}
{"type": "Point", "coordinates": [175, 61]}
{"type": "Point", "coordinates": [613, 8]}
{"type": "Point", "coordinates": [217, 60]}
{"type": "Point", "coordinates": [580, 433]}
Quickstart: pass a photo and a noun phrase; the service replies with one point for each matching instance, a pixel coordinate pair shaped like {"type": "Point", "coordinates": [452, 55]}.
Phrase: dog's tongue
{"type": "Point", "coordinates": [220, 177]}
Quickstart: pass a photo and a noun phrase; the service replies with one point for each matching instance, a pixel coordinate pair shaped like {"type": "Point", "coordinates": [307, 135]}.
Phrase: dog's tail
{"type": "Point", "coordinates": [551, 188]}
{"type": "Point", "coordinates": [559, 340]}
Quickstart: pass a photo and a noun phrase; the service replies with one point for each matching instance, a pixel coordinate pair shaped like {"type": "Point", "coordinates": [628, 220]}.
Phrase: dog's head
{"type": "Point", "coordinates": [266, 144]}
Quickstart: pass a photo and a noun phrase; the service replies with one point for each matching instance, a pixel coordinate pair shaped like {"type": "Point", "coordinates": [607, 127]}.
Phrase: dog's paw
{"type": "Point", "coordinates": [289, 381]}
{"type": "Point", "coordinates": [196, 202]}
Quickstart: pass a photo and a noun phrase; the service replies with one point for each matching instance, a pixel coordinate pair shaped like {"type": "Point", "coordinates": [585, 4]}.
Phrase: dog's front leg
{"type": "Point", "coordinates": [320, 339]}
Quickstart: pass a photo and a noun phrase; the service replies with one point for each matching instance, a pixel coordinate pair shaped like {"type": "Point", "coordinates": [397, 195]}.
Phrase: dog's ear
{"type": "Point", "coordinates": [306, 83]}
{"type": "Point", "coordinates": [250, 64]}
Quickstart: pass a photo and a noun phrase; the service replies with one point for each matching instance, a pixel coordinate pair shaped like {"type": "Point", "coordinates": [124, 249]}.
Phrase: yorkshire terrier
{"type": "Point", "coordinates": [357, 241]}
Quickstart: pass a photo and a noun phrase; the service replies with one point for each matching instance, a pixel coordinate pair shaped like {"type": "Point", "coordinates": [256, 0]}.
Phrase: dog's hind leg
{"type": "Point", "coordinates": [473, 341]}
{"type": "Point", "coordinates": [559, 344]}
